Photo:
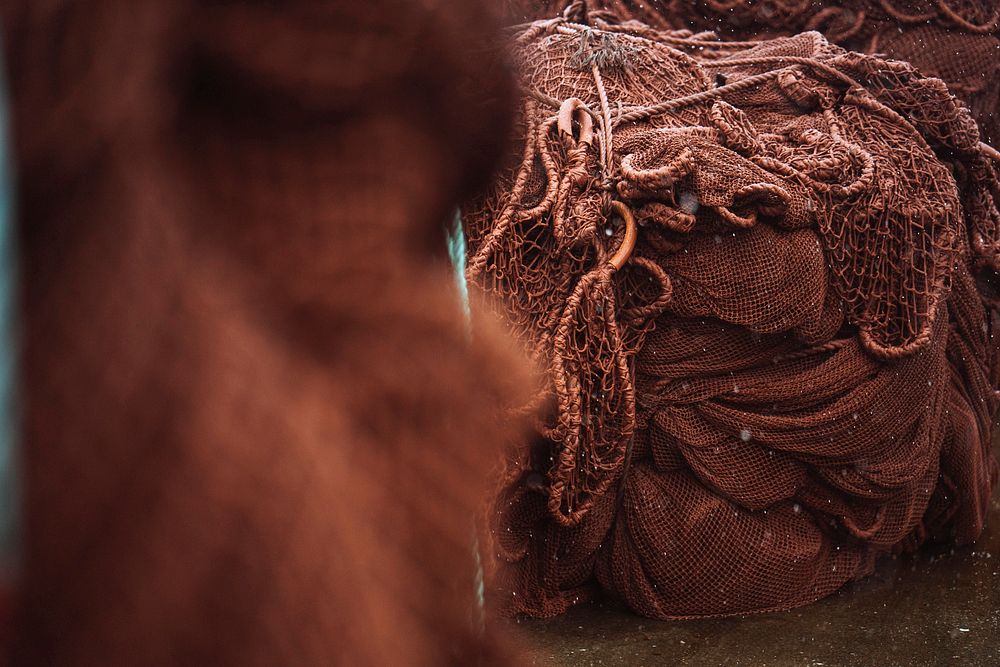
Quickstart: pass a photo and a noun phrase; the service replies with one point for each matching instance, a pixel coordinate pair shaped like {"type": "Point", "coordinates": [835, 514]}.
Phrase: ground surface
{"type": "Point", "coordinates": [930, 609]}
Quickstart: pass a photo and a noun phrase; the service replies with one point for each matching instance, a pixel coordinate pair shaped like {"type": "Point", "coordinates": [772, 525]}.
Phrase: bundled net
{"type": "Point", "coordinates": [955, 40]}
{"type": "Point", "coordinates": [756, 279]}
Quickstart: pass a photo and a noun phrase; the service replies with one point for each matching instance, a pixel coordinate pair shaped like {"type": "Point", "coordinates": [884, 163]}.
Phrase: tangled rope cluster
{"type": "Point", "coordinates": [788, 372]}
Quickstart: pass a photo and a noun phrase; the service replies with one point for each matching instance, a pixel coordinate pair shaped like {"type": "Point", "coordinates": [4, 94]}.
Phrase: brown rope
{"type": "Point", "coordinates": [696, 98]}
{"type": "Point", "coordinates": [989, 26]}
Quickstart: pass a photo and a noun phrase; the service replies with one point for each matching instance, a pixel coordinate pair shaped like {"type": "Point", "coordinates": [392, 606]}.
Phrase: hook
{"type": "Point", "coordinates": [574, 109]}
{"type": "Point", "coordinates": [628, 243]}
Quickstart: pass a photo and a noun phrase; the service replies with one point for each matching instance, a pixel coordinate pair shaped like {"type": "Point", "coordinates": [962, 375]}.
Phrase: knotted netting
{"type": "Point", "coordinates": [957, 41]}
{"type": "Point", "coordinates": [749, 274]}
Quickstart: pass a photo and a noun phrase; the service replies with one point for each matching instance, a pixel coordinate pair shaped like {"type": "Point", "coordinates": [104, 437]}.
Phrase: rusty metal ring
{"type": "Point", "coordinates": [631, 233]}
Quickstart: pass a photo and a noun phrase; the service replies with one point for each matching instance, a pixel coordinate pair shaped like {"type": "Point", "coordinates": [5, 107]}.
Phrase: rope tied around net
{"type": "Point", "coordinates": [589, 368]}
{"type": "Point", "coordinates": [584, 374]}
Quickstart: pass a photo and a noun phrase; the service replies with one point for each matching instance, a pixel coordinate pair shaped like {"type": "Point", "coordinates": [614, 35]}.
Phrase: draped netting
{"type": "Point", "coordinates": [749, 278]}
{"type": "Point", "coordinates": [957, 41]}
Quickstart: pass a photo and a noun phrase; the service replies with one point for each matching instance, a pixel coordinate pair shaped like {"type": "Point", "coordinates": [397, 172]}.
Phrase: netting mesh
{"type": "Point", "coordinates": [749, 274]}
{"type": "Point", "coordinates": [955, 40]}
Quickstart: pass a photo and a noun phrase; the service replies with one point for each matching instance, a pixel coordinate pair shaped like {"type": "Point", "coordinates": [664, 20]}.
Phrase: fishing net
{"type": "Point", "coordinates": [955, 40]}
{"type": "Point", "coordinates": [255, 429]}
{"type": "Point", "coordinates": [756, 280]}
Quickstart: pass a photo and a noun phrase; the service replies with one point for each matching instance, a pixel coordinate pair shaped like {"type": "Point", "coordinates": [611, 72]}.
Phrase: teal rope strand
{"type": "Point", "coordinates": [456, 251]}
{"type": "Point", "coordinates": [9, 491]}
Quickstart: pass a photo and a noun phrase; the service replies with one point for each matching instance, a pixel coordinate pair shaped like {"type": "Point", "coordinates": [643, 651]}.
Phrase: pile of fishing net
{"type": "Point", "coordinates": [957, 41]}
{"type": "Point", "coordinates": [757, 279]}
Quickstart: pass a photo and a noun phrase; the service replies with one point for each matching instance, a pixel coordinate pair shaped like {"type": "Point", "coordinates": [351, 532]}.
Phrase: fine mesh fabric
{"type": "Point", "coordinates": [793, 371]}
{"type": "Point", "coordinates": [957, 41]}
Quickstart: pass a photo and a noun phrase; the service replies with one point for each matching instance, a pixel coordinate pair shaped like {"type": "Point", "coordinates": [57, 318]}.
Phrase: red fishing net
{"type": "Point", "coordinates": [755, 278]}
{"type": "Point", "coordinates": [955, 40]}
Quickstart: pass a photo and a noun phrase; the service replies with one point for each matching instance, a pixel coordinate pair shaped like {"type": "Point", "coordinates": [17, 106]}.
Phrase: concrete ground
{"type": "Point", "coordinates": [928, 609]}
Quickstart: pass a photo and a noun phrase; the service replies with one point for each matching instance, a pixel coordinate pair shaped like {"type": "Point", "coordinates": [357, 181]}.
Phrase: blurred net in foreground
{"type": "Point", "coordinates": [255, 429]}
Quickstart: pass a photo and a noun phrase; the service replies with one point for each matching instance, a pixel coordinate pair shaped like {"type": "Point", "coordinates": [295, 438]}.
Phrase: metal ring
{"type": "Point", "coordinates": [628, 243]}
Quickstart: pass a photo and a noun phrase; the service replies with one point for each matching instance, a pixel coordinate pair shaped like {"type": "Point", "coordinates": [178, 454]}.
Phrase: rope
{"type": "Point", "coordinates": [798, 60]}
{"type": "Point", "coordinates": [696, 98]}
{"type": "Point", "coordinates": [9, 491]}
{"type": "Point", "coordinates": [989, 151]}
{"type": "Point", "coordinates": [956, 18]}
{"type": "Point", "coordinates": [606, 147]}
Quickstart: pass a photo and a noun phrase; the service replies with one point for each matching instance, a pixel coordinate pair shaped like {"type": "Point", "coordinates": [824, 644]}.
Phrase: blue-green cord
{"type": "Point", "coordinates": [8, 355]}
{"type": "Point", "coordinates": [456, 251]}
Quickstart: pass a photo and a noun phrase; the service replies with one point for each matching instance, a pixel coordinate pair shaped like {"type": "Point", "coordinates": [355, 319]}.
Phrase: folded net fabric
{"type": "Point", "coordinates": [748, 274]}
